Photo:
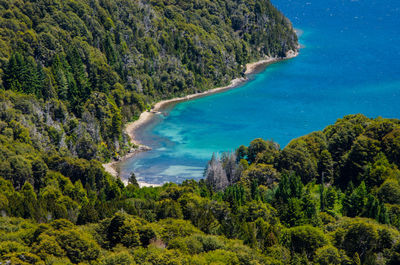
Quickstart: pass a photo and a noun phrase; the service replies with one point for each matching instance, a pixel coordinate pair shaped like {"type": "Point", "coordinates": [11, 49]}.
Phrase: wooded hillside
{"type": "Point", "coordinates": [330, 197]}
{"type": "Point", "coordinates": [92, 65]}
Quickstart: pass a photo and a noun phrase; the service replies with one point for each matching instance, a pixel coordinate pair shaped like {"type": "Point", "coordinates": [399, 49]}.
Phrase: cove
{"type": "Point", "coordinates": [349, 63]}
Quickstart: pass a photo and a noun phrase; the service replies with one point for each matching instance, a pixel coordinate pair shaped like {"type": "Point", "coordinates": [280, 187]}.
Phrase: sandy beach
{"type": "Point", "coordinates": [253, 67]}
{"type": "Point", "coordinates": [146, 116]}
{"type": "Point", "coordinates": [132, 127]}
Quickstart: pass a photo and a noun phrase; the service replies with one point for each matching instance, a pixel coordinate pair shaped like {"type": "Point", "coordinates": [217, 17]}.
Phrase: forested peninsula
{"type": "Point", "coordinates": [74, 72]}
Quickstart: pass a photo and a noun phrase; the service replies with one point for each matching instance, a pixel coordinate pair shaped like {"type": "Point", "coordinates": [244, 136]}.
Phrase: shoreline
{"type": "Point", "coordinates": [145, 117]}
{"type": "Point", "coordinates": [251, 68]}
{"type": "Point", "coordinates": [132, 127]}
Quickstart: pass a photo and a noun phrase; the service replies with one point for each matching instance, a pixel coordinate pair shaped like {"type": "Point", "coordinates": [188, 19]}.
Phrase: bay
{"type": "Point", "coordinates": [349, 63]}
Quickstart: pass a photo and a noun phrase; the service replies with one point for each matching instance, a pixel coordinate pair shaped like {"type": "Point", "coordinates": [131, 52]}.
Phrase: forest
{"type": "Point", "coordinates": [330, 197]}
{"type": "Point", "coordinates": [74, 72]}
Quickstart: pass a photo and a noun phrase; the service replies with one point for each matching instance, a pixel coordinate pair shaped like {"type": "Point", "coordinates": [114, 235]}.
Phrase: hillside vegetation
{"type": "Point", "coordinates": [87, 67]}
{"type": "Point", "coordinates": [330, 197]}
{"type": "Point", "coordinates": [73, 72]}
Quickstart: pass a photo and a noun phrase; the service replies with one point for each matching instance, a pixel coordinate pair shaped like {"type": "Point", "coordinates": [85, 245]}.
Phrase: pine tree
{"type": "Point", "coordinates": [15, 74]}
{"type": "Point", "coordinates": [78, 70]}
{"type": "Point", "coordinates": [354, 204]}
{"type": "Point", "coordinates": [229, 164]}
{"type": "Point", "coordinates": [215, 174]}
{"type": "Point", "coordinates": [29, 201]}
{"type": "Point", "coordinates": [41, 89]}
{"type": "Point", "coordinates": [372, 208]}
{"type": "Point", "coordinates": [330, 198]}
{"type": "Point", "coordinates": [383, 214]}
{"type": "Point", "coordinates": [62, 84]}
{"type": "Point", "coordinates": [132, 180]}
{"type": "Point", "coordinates": [110, 50]}
{"type": "Point", "coordinates": [325, 166]}
{"type": "Point", "coordinates": [24, 75]}
{"type": "Point", "coordinates": [116, 125]}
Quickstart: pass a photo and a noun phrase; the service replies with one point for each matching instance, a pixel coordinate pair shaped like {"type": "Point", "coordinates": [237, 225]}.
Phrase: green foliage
{"type": "Point", "coordinates": [305, 239]}
{"type": "Point", "coordinates": [73, 72]}
{"type": "Point", "coordinates": [325, 167]}
{"type": "Point", "coordinates": [299, 206]}
{"type": "Point", "coordinates": [24, 75]}
{"type": "Point", "coordinates": [290, 186]}
{"type": "Point", "coordinates": [122, 258]}
{"type": "Point", "coordinates": [259, 146]}
{"type": "Point", "coordinates": [362, 239]}
{"type": "Point", "coordinates": [330, 255]}
{"type": "Point", "coordinates": [106, 61]}
{"type": "Point", "coordinates": [389, 191]}
{"type": "Point", "coordinates": [354, 203]}
{"type": "Point", "coordinates": [262, 174]}
{"type": "Point", "coordinates": [78, 248]}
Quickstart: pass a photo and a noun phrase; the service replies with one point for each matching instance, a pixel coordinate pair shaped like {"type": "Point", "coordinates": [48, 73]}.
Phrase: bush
{"type": "Point", "coordinates": [305, 239]}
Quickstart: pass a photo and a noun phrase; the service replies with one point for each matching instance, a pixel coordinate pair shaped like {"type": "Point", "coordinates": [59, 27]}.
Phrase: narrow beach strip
{"type": "Point", "coordinates": [131, 128]}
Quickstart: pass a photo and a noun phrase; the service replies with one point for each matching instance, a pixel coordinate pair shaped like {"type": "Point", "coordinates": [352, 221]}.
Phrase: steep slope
{"type": "Point", "coordinates": [104, 62]}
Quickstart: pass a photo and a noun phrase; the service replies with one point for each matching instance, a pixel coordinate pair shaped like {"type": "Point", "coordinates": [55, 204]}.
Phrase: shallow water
{"type": "Point", "coordinates": [350, 64]}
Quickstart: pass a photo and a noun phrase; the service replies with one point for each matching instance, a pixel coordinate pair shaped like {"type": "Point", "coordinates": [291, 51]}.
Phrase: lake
{"type": "Point", "coordinates": [349, 63]}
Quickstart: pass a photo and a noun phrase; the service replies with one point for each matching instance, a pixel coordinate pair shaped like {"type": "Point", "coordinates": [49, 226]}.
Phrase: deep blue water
{"type": "Point", "coordinates": [350, 64]}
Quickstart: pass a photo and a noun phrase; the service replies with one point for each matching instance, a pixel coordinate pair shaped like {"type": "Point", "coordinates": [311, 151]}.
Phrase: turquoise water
{"type": "Point", "coordinates": [350, 63]}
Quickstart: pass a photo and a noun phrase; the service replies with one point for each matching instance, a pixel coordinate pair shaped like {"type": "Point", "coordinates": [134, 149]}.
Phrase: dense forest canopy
{"type": "Point", "coordinates": [73, 72]}
{"type": "Point", "coordinates": [92, 65]}
{"type": "Point", "coordinates": [330, 197]}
